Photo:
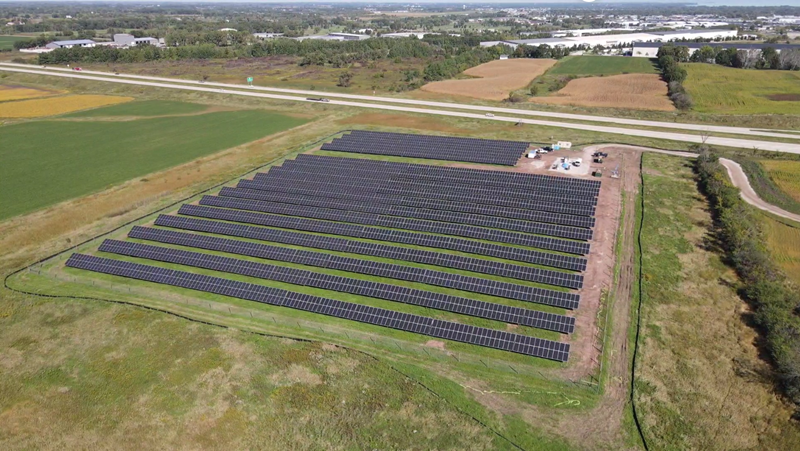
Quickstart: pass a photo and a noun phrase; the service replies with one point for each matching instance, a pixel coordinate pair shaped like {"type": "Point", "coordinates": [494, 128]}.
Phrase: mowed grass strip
{"type": "Point", "coordinates": [603, 65]}
{"type": "Point", "coordinates": [727, 90]}
{"type": "Point", "coordinates": [56, 105]}
{"type": "Point", "coordinates": [144, 108]}
{"type": "Point", "coordinates": [7, 42]}
{"type": "Point", "coordinates": [52, 161]}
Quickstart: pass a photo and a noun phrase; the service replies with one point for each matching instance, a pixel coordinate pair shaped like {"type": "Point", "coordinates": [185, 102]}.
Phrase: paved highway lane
{"type": "Point", "coordinates": [728, 142]}
{"type": "Point", "coordinates": [459, 106]}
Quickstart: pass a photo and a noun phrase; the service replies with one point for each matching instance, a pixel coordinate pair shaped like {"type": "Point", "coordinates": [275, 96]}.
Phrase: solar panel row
{"type": "Point", "coordinates": [288, 193]}
{"type": "Point", "coordinates": [480, 233]}
{"type": "Point", "coordinates": [515, 225]}
{"type": "Point", "coordinates": [471, 175]}
{"type": "Point", "coordinates": [312, 240]}
{"type": "Point", "coordinates": [326, 186]}
{"type": "Point", "coordinates": [430, 147]}
{"type": "Point", "coordinates": [354, 265]}
{"type": "Point", "coordinates": [402, 321]}
{"type": "Point", "coordinates": [427, 299]}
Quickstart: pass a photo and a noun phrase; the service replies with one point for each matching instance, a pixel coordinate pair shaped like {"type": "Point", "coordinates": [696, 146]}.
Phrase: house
{"type": "Point", "coordinates": [70, 44]}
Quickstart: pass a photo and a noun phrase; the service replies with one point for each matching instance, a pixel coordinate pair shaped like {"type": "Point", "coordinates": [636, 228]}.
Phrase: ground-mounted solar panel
{"type": "Point", "coordinates": [367, 267]}
{"type": "Point", "coordinates": [427, 299]}
{"type": "Point", "coordinates": [567, 262]}
{"type": "Point", "coordinates": [412, 323]}
{"type": "Point", "coordinates": [474, 232]}
{"type": "Point", "coordinates": [479, 220]}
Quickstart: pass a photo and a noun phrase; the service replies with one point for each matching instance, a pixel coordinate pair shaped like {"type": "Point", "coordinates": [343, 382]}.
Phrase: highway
{"type": "Point", "coordinates": [706, 129]}
{"type": "Point", "coordinates": [252, 92]}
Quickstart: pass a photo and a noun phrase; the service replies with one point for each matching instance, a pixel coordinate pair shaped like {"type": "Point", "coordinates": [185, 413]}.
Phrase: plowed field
{"type": "Point", "coordinates": [634, 91]}
{"type": "Point", "coordinates": [496, 79]}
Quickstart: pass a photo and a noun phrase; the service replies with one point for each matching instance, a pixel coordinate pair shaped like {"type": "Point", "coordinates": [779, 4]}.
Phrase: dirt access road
{"type": "Point", "coordinates": [749, 195]}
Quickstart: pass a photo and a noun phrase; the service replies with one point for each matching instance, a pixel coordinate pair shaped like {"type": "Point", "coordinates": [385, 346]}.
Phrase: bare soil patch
{"type": "Point", "coordinates": [495, 79]}
{"type": "Point", "coordinates": [785, 97]}
{"type": "Point", "coordinates": [633, 91]}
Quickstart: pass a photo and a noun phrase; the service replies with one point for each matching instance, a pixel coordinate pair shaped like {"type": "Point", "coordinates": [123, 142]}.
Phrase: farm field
{"type": "Point", "coordinates": [495, 79]}
{"type": "Point", "coordinates": [144, 108]}
{"type": "Point", "coordinates": [632, 91]}
{"type": "Point", "coordinates": [726, 90]}
{"type": "Point", "coordinates": [7, 42]}
{"type": "Point", "coordinates": [783, 241]}
{"type": "Point", "coordinates": [785, 174]}
{"type": "Point", "coordinates": [56, 105]}
{"type": "Point", "coordinates": [698, 368]}
{"type": "Point", "coordinates": [76, 158]}
{"type": "Point", "coordinates": [590, 65]}
{"type": "Point", "coordinates": [8, 93]}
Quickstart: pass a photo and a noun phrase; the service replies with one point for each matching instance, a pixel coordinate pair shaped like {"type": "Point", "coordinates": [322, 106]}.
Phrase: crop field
{"type": "Point", "coordinates": [7, 42]}
{"type": "Point", "coordinates": [56, 105]}
{"type": "Point", "coordinates": [785, 174]}
{"type": "Point", "coordinates": [589, 65]}
{"type": "Point", "coordinates": [8, 93]}
{"type": "Point", "coordinates": [783, 240]}
{"type": "Point", "coordinates": [46, 162]}
{"type": "Point", "coordinates": [632, 91]}
{"type": "Point", "coordinates": [699, 369]}
{"type": "Point", "coordinates": [727, 90]}
{"type": "Point", "coordinates": [494, 80]}
{"type": "Point", "coordinates": [144, 108]}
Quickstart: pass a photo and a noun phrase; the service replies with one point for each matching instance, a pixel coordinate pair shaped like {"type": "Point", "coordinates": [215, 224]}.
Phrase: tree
{"type": "Point", "coordinates": [705, 54]}
{"type": "Point", "coordinates": [345, 79]}
{"type": "Point", "coordinates": [771, 58]}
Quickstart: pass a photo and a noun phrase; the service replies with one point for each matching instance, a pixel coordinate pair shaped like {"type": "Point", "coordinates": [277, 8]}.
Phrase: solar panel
{"type": "Point", "coordinates": [455, 304]}
{"type": "Point", "coordinates": [412, 323]}
{"type": "Point", "coordinates": [354, 265]}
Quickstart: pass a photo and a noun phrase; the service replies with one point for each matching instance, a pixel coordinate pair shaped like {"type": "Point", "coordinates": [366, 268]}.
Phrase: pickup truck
{"type": "Point", "coordinates": [318, 99]}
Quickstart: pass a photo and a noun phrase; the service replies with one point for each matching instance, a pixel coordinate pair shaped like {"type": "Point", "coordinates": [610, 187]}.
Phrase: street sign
{"type": "Point", "coordinates": [249, 79]}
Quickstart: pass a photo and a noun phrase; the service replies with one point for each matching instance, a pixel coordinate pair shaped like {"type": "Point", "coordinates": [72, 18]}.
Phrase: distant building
{"type": "Point", "coordinates": [71, 44]}
{"type": "Point", "coordinates": [503, 57]}
{"type": "Point", "coordinates": [267, 35]}
{"type": "Point", "coordinates": [620, 40]}
{"type": "Point", "coordinates": [128, 40]}
{"type": "Point", "coordinates": [228, 29]}
{"type": "Point", "coordinates": [350, 36]}
{"type": "Point", "coordinates": [405, 34]}
{"type": "Point", "coordinates": [650, 49]}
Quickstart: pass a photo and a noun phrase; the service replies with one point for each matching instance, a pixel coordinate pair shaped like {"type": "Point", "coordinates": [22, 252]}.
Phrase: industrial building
{"type": "Point", "coordinates": [620, 40]}
{"type": "Point", "coordinates": [70, 44]}
{"type": "Point", "coordinates": [650, 49]}
{"type": "Point", "coordinates": [129, 40]}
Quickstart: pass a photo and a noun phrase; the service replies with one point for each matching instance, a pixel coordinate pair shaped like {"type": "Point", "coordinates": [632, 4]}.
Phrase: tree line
{"type": "Point", "coordinates": [774, 299]}
{"type": "Point", "coordinates": [671, 72]}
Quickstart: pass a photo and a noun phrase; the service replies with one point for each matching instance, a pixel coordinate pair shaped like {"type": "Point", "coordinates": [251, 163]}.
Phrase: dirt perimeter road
{"type": "Point", "coordinates": [749, 195]}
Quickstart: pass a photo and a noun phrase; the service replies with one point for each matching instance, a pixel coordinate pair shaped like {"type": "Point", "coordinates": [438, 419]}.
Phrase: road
{"type": "Point", "coordinates": [749, 195]}
{"type": "Point", "coordinates": [458, 106]}
{"type": "Point", "coordinates": [672, 136]}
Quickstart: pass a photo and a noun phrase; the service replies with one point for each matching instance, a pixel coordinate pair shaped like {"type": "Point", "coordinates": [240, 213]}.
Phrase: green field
{"type": "Point", "coordinates": [143, 108]}
{"type": "Point", "coordinates": [7, 42]}
{"type": "Point", "coordinates": [727, 90]}
{"type": "Point", "coordinates": [602, 65]}
{"type": "Point", "coordinates": [46, 162]}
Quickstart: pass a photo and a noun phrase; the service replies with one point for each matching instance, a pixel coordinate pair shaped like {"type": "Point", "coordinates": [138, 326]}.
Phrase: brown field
{"type": "Point", "coordinates": [21, 92]}
{"type": "Point", "coordinates": [57, 105]}
{"type": "Point", "coordinates": [634, 91]}
{"type": "Point", "coordinates": [495, 79]}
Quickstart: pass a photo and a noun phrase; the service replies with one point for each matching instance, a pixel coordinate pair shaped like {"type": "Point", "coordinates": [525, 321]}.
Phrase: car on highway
{"type": "Point", "coordinates": [318, 99]}
{"type": "Point", "coordinates": [489, 115]}
{"type": "Point", "coordinates": [76, 68]}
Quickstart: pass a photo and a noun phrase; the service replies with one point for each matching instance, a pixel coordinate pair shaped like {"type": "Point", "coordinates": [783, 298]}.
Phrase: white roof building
{"type": "Point", "coordinates": [615, 40]}
{"type": "Point", "coordinates": [71, 44]}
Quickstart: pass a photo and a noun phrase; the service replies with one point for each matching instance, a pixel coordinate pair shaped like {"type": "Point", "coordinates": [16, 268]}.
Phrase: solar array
{"type": "Point", "coordinates": [430, 147]}
{"type": "Point", "coordinates": [394, 222]}
{"type": "Point", "coordinates": [407, 273]}
{"type": "Point", "coordinates": [488, 310]}
{"type": "Point", "coordinates": [348, 219]}
{"type": "Point", "coordinates": [496, 339]}
{"type": "Point", "coordinates": [568, 262]}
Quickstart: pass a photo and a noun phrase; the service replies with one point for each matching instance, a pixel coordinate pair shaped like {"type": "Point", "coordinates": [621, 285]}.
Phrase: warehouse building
{"type": "Point", "coordinates": [129, 40]}
{"type": "Point", "coordinates": [650, 49]}
{"type": "Point", "coordinates": [620, 40]}
{"type": "Point", "coordinates": [70, 44]}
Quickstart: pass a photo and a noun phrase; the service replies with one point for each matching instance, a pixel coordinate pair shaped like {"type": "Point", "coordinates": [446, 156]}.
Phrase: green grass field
{"type": "Point", "coordinates": [602, 65]}
{"type": "Point", "coordinates": [727, 90]}
{"type": "Point", "coordinates": [7, 42]}
{"type": "Point", "coordinates": [46, 162]}
{"type": "Point", "coordinates": [143, 108]}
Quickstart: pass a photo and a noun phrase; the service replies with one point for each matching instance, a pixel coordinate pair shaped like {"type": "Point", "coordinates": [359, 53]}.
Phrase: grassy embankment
{"type": "Point", "coordinates": [775, 181]}
{"type": "Point", "coordinates": [701, 383]}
